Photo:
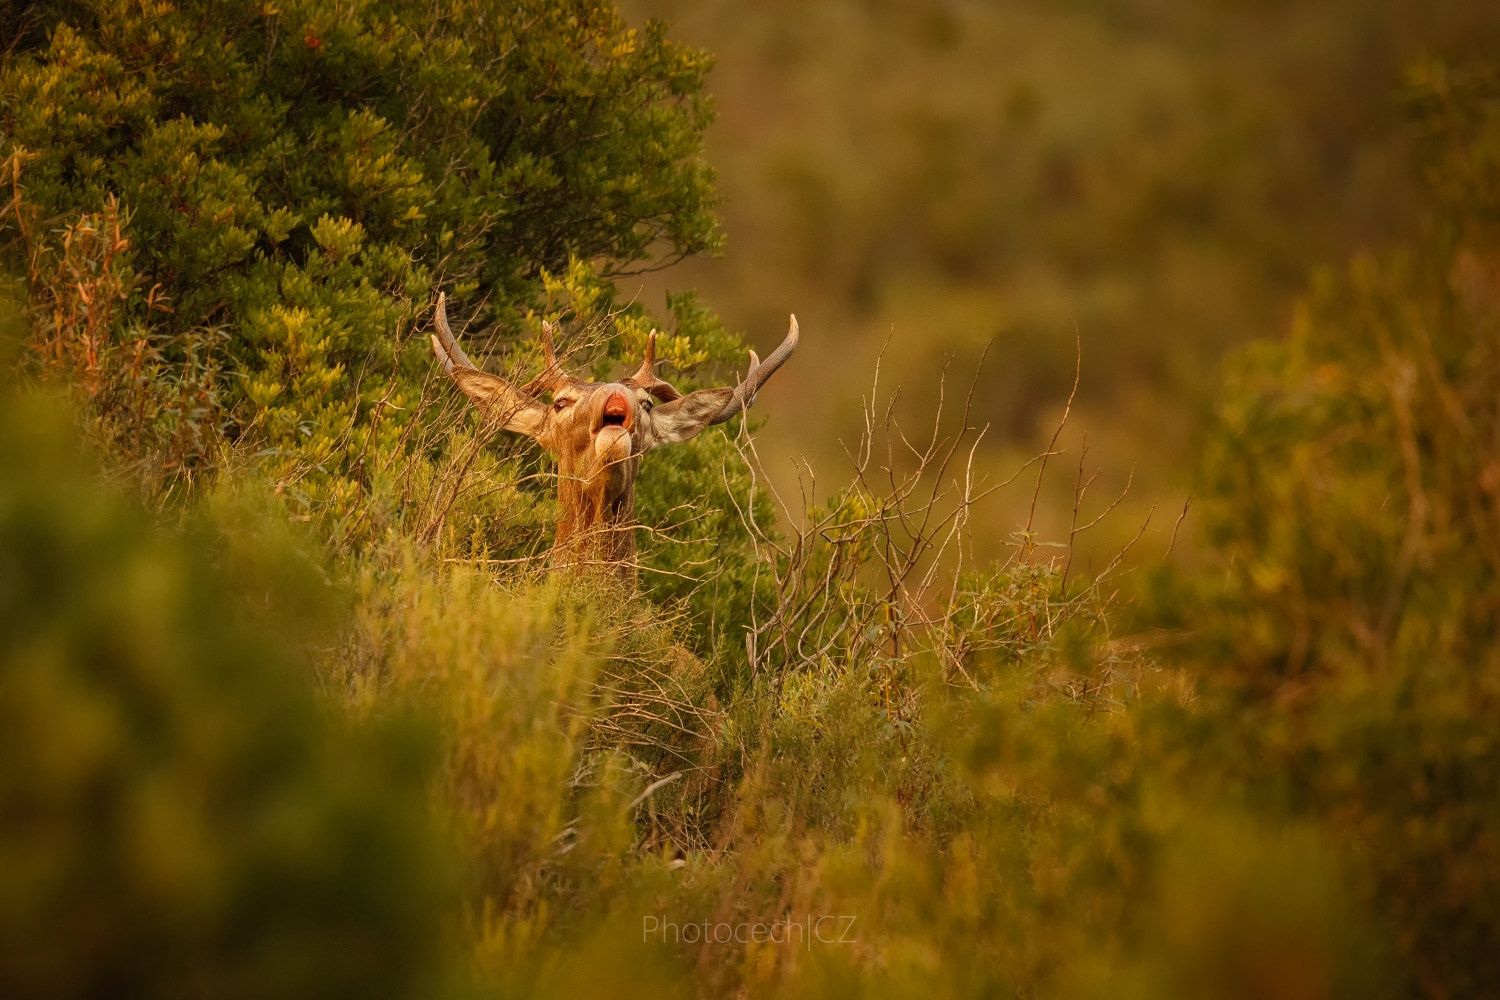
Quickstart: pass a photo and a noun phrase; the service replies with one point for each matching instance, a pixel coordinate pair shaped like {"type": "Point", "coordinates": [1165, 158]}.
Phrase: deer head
{"type": "Point", "coordinates": [598, 431]}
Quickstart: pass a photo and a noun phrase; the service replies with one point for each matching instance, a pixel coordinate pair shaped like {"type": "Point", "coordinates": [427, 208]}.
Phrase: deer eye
{"type": "Point", "coordinates": [647, 405]}
{"type": "Point", "coordinates": [561, 404]}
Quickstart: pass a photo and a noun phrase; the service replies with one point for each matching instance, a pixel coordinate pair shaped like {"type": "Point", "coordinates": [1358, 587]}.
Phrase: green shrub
{"type": "Point", "coordinates": [179, 815]}
{"type": "Point", "coordinates": [263, 200]}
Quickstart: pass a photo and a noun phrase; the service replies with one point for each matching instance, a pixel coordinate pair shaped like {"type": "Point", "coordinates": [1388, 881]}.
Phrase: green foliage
{"type": "Point", "coordinates": [284, 186]}
{"type": "Point", "coordinates": [304, 177]}
{"type": "Point", "coordinates": [694, 502]}
{"type": "Point", "coordinates": [181, 817]}
{"type": "Point", "coordinates": [364, 150]}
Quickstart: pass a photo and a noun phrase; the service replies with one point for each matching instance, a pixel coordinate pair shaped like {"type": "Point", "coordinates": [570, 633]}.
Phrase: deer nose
{"type": "Point", "coordinates": [617, 410]}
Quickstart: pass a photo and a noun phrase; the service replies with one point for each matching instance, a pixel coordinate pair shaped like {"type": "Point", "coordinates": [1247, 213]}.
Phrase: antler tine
{"type": "Point", "coordinates": [552, 376]}
{"type": "Point", "coordinates": [760, 372]}
{"type": "Point", "coordinates": [646, 375]}
{"type": "Point", "coordinates": [549, 350]}
{"type": "Point", "coordinates": [444, 344]}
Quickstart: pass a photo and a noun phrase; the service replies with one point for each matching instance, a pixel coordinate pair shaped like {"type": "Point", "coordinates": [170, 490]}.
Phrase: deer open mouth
{"type": "Point", "coordinates": [616, 412]}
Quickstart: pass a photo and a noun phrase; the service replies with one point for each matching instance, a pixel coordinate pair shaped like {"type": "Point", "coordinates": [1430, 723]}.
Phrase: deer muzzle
{"type": "Point", "coordinates": [616, 412]}
{"type": "Point", "coordinates": [612, 442]}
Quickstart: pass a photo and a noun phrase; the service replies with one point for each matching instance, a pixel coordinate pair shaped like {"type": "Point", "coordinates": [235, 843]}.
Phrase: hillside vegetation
{"type": "Point", "coordinates": [1150, 181]}
{"type": "Point", "coordinates": [289, 702]}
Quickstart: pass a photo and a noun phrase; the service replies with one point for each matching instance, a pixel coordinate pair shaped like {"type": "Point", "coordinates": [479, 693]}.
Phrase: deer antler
{"type": "Point", "coordinates": [451, 356]}
{"type": "Point", "coordinates": [511, 409]}
{"type": "Point", "coordinates": [760, 371]}
{"type": "Point", "coordinates": [646, 378]}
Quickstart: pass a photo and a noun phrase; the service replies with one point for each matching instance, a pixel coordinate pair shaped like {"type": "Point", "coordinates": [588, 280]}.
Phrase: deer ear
{"type": "Point", "coordinates": [683, 418]}
{"type": "Point", "coordinates": [501, 402]}
{"type": "Point", "coordinates": [662, 392]}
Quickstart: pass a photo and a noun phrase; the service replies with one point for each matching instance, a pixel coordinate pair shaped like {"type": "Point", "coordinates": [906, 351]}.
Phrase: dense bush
{"type": "Point", "coordinates": [258, 202]}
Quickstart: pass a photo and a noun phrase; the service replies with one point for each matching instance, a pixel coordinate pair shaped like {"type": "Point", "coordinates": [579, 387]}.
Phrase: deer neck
{"type": "Point", "coordinates": [596, 520]}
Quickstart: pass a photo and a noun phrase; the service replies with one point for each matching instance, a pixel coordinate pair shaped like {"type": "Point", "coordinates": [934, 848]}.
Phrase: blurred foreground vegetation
{"type": "Point", "coordinates": [289, 704]}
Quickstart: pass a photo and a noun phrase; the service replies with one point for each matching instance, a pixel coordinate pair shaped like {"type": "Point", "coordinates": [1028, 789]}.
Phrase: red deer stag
{"type": "Point", "coordinates": [599, 431]}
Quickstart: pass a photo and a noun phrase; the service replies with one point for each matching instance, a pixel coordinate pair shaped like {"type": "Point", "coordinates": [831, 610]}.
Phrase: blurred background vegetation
{"type": "Point", "coordinates": [1148, 183]}
{"type": "Point", "coordinates": [289, 702]}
